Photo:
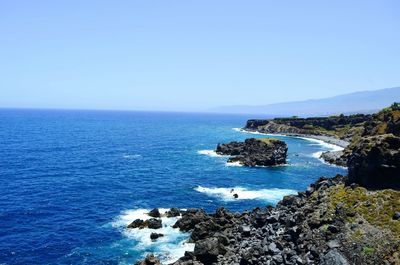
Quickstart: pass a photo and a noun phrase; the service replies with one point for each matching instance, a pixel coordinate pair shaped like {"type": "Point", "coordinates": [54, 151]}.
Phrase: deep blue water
{"type": "Point", "coordinates": [71, 180]}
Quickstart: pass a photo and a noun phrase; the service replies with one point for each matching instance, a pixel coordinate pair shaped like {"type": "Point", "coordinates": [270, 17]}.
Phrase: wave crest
{"type": "Point", "coordinates": [227, 194]}
{"type": "Point", "coordinates": [131, 156]}
{"type": "Point", "coordinates": [211, 153]}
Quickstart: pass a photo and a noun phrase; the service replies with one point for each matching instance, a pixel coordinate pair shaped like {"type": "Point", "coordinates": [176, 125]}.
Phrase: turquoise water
{"type": "Point", "coordinates": [72, 180]}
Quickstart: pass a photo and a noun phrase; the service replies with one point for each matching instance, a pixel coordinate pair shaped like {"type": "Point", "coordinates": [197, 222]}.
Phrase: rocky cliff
{"type": "Point", "coordinates": [374, 162]}
{"type": "Point", "coordinates": [342, 127]}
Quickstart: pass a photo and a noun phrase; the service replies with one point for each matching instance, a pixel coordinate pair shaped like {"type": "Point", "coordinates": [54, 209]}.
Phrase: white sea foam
{"type": "Point", "coordinates": [259, 133]}
{"type": "Point", "coordinates": [317, 154]}
{"type": "Point", "coordinates": [328, 146]}
{"type": "Point", "coordinates": [331, 147]}
{"type": "Point", "coordinates": [131, 156]}
{"type": "Point", "coordinates": [211, 153]}
{"type": "Point", "coordinates": [226, 194]}
{"type": "Point", "coordinates": [168, 248]}
{"type": "Point", "coordinates": [233, 164]}
{"type": "Point", "coordinates": [250, 132]}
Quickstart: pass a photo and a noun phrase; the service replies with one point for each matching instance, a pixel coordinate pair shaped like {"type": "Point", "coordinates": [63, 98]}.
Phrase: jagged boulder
{"type": "Point", "coordinates": [154, 213]}
{"type": "Point", "coordinates": [154, 236]}
{"type": "Point", "coordinates": [138, 223]}
{"type": "Point", "coordinates": [333, 257]}
{"type": "Point", "coordinates": [149, 260]}
{"type": "Point", "coordinates": [375, 162]}
{"type": "Point", "coordinates": [255, 152]}
{"type": "Point", "coordinates": [152, 223]}
{"type": "Point", "coordinates": [190, 219]}
{"type": "Point", "coordinates": [207, 250]}
{"type": "Point", "coordinates": [173, 212]}
{"type": "Point", "coordinates": [335, 157]}
{"type": "Point", "coordinates": [205, 229]}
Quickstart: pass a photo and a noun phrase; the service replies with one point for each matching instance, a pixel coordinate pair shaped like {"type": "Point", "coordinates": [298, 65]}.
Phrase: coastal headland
{"type": "Point", "coordinates": [352, 219]}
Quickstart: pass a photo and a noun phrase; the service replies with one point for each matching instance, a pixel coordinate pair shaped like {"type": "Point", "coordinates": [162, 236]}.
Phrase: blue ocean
{"type": "Point", "coordinates": [72, 180]}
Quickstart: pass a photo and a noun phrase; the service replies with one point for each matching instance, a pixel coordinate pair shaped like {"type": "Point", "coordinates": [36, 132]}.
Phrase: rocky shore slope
{"type": "Point", "coordinates": [330, 223]}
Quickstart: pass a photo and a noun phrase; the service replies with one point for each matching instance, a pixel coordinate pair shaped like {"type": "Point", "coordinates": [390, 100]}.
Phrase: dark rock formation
{"type": "Point", "coordinates": [149, 260]}
{"type": "Point", "coordinates": [155, 213]}
{"type": "Point", "coordinates": [396, 216]}
{"type": "Point", "coordinates": [137, 224]}
{"type": "Point", "coordinates": [173, 212]}
{"type": "Point", "coordinates": [207, 250]}
{"type": "Point", "coordinates": [255, 124]}
{"type": "Point", "coordinates": [375, 162]}
{"type": "Point", "coordinates": [154, 236]}
{"type": "Point", "coordinates": [190, 218]}
{"type": "Point", "coordinates": [231, 149]}
{"type": "Point", "coordinates": [335, 157]}
{"type": "Point", "coordinates": [333, 257]}
{"type": "Point", "coordinates": [152, 223]}
{"type": "Point", "coordinates": [255, 152]}
{"type": "Point", "coordinates": [328, 224]}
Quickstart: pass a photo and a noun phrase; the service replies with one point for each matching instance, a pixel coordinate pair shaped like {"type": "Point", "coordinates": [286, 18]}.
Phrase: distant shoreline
{"type": "Point", "coordinates": [324, 138]}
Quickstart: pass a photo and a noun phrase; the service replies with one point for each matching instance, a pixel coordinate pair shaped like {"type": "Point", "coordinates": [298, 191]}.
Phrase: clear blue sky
{"type": "Point", "coordinates": [193, 55]}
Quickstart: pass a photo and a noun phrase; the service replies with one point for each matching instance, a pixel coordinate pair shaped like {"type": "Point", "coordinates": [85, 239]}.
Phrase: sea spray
{"type": "Point", "coordinates": [228, 194]}
{"type": "Point", "coordinates": [210, 153]}
{"type": "Point", "coordinates": [168, 248]}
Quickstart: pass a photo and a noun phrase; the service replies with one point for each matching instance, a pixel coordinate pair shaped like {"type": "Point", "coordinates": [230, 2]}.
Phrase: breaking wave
{"type": "Point", "coordinates": [227, 194]}
{"type": "Point", "coordinates": [168, 248]}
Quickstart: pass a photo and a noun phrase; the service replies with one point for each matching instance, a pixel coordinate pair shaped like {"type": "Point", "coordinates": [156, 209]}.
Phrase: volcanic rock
{"type": "Point", "coordinates": [255, 152]}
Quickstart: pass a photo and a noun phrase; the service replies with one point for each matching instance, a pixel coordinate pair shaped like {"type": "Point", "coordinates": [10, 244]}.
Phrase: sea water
{"type": "Point", "coordinates": [72, 180]}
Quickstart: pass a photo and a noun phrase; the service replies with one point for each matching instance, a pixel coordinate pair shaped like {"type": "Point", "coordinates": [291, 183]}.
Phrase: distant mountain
{"type": "Point", "coordinates": [358, 102]}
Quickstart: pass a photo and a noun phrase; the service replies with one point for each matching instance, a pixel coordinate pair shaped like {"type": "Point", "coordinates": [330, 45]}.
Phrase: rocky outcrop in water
{"type": "Point", "coordinates": [152, 223]}
{"type": "Point", "coordinates": [149, 260]}
{"type": "Point", "coordinates": [255, 152]}
{"type": "Point", "coordinates": [335, 157]}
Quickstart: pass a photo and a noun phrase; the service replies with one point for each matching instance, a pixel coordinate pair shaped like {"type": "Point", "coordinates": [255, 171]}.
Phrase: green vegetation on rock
{"type": "Point", "coordinates": [268, 140]}
{"type": "Point", "coordinates": [376, 207]}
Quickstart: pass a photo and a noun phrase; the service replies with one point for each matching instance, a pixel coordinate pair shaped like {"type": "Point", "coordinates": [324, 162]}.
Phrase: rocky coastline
{"type": "Point", "coordinates": [326, 224]}
{"type": "Point", "coordinates": [336, 221]}
{"type": "Point", "coordinates": [324, 138]}
{"type": "Point", "coordinates": [331, 157]}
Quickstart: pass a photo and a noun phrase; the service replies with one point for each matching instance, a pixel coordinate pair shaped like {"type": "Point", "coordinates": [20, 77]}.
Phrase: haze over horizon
{"type": "Point", "coordinates": [181, 56]}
